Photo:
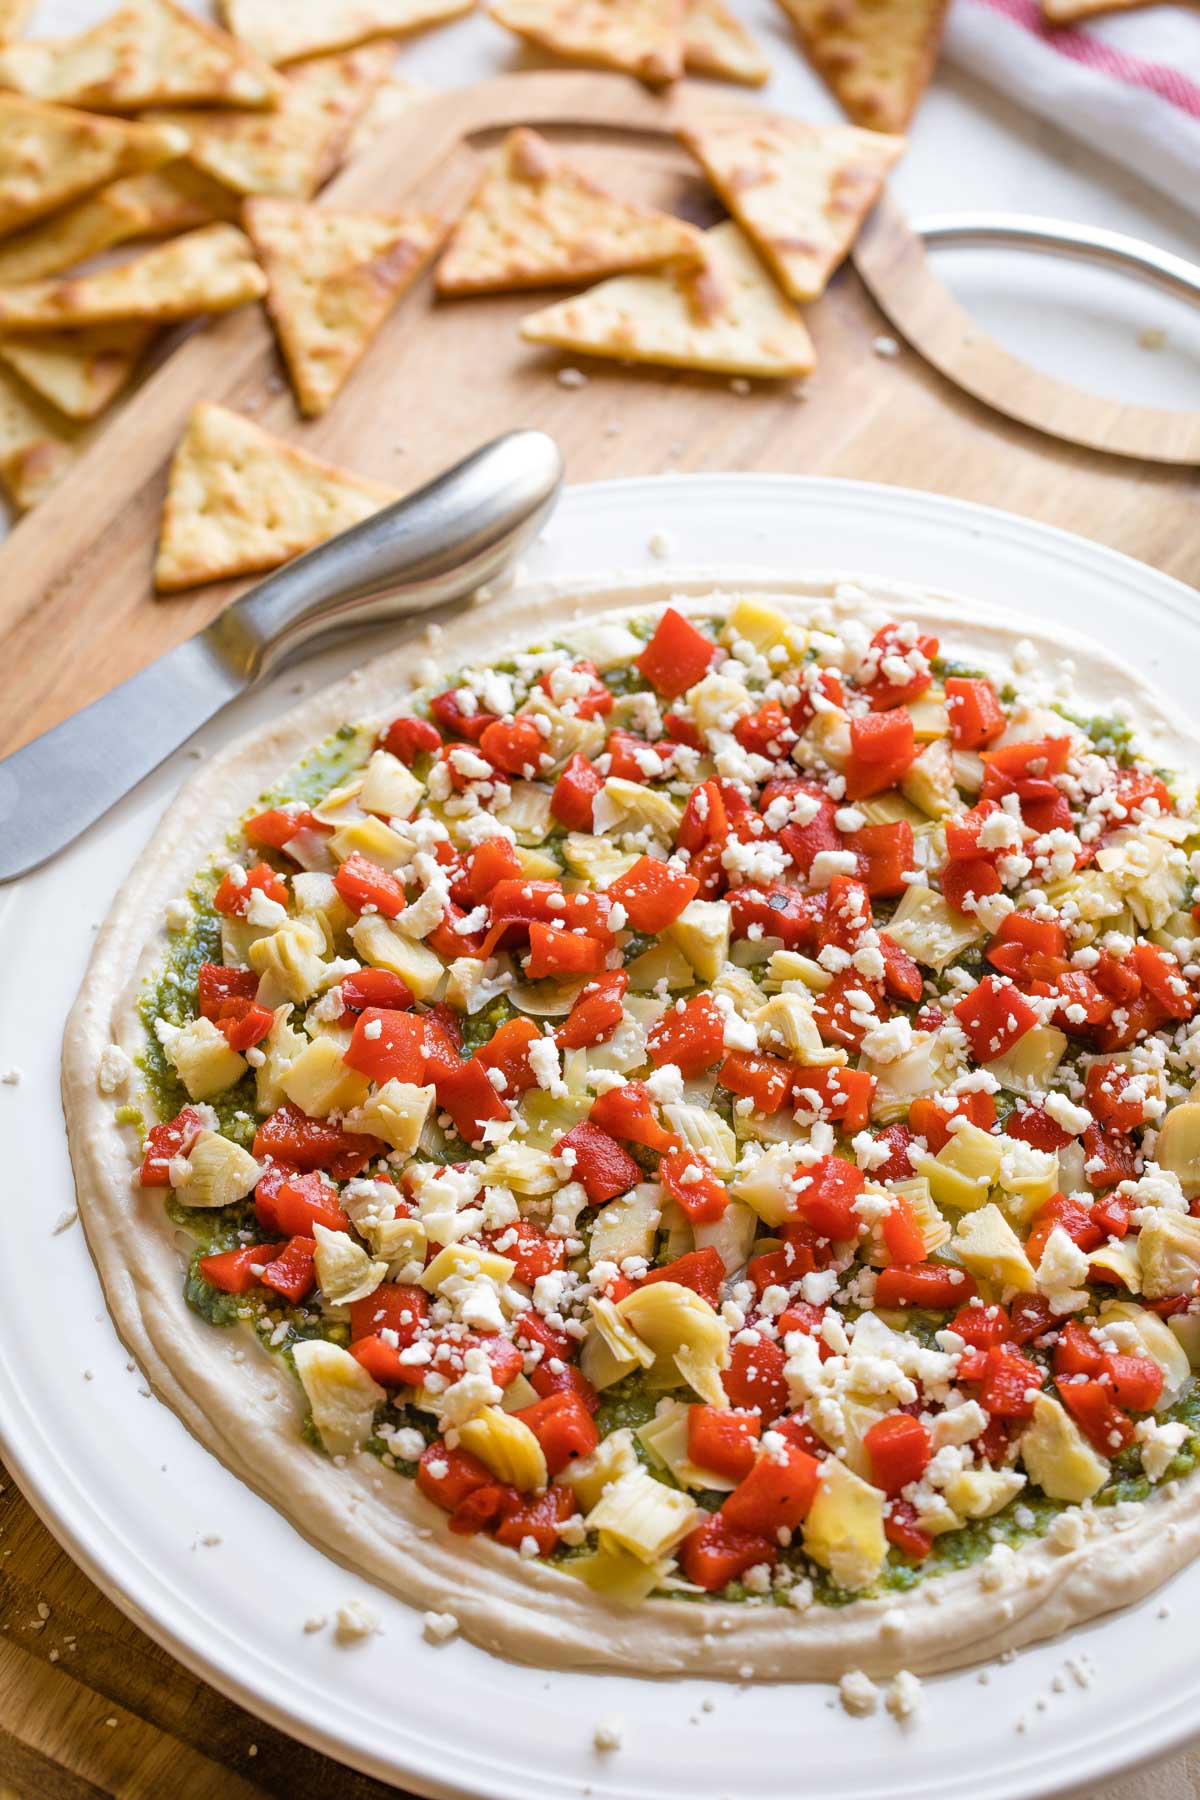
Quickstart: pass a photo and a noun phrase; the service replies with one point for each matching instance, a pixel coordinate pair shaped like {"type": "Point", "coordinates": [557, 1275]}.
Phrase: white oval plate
{"type": "Point", "coordinates": [139, 1504]}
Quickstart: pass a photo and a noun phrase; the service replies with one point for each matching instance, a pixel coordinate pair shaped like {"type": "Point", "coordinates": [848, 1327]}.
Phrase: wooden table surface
{"type": "Point", "coordinates": [89, 1705]}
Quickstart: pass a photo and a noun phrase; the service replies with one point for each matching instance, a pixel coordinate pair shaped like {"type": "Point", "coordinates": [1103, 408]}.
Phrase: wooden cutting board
{"type": "Point", "coordinates": [88, 1704]}
{"type": "Point", "coordinates": [77, 613]}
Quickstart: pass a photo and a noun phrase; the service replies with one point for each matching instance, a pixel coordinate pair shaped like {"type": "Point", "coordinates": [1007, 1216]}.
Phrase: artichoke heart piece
{"type": "Point", "coordinates": [930, 930]}
{"type": "Point", "coordinates": [612, 1349]}
{"type": "Point", "coordinates": [767, 1185]}
{"type": "Point", "coordinates": [614, 1456]}
{"type": "Point", "coordinates": [595, 859]}
{"type": "Point", "coordinates": [704, 1132]}
{"type": "Point", "coordinates": [786, 967]}
{"type": "Point", "coordinates": [617, 1573]}
{"type": "Point", "coordinates": [786, 1024]}
{"type": "Point", "coordinates": [380, 944]}
{"type": "Point", "coordinates": [507, 1447]}
{"type": "Point", "coordinates": [1119, 1257]}
{"type": "Point", "coordinates": [466, 1262]}
{"type": "Point", "coordinates": [1168, 1248]}
{"type": "Point", "coordinates": [991, 1249]}
{"type": "Point", "coordinates": [702, 931]}
{"type": "Point", "coordinates": [397, 1112]}
{"type": "Point", "coordinates": [389, 787]}
{"type": "Point", "coordinates": [765, 628]}
{"type": "Point", "coordinates": [371, 838]}
{"type": "Point", "coordinates": [344, 1270]}
{"type": "Point", "coordinates": [1178, 1146]}
{"type": "Point", "coordinates": [527, 813]}
{"type": "Point", "coordinates": [929, 781]}
{"type": "Point", "coordinates": [843, 1531]}
{"type": "Point", "coordinates": [217, 1172]}
{"type": "Point", "coordinates": [320, 1082]}
{"type": "Point", "coordinates": [1030, 1066]}
{"type": "Point", "coordinates": [962, 1172]}
{"type": "Point", "coordinates": [628, 805]}
{"type": "Point", "coordinates": [1057, 1455]}
{"type": "Point", "coordinates": [341, 1395]}
{"type": "Point", "coordinates": [200, 1057]}
{"type": "Point", "coordinates": [628, 1226]}
{"type": "Point", "coordinates": [688, 1341]}
{"type": "Point", "coordinates": [731, 1236]}
{"type": "Point", "coordinates": [289, 964]}
{"type": "Point", "coordinates": [978, 1493]}
{"type": "Point", "coordinates": [280, 1048]}
{"type": "Point", "coordinates": [663, 962]}
{"type": "Point", "coordinates": [643, 1515]}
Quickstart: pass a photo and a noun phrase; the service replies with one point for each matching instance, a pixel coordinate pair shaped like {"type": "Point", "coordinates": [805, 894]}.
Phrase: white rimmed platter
{"type": "Point", "coordinates": [223, 1582]}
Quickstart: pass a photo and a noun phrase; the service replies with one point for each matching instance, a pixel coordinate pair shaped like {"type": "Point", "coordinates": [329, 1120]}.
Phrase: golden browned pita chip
{"type": "Point", "coordinates": [239, 500]}
{"type": "Point", "coordinates": [147, 53]}
{"type": "Point", "coordinates": [800, 191]}
{"type": "Point", "coordinates": [639, 37]}
{"type": "Point", "coordinates": [13, 14]}
{"type": "Point", "coordinates": [283, 30]}
{"type": "Point", "coordinates": [730, 319]}
{"type": "Point", "coordinates": [293, 150]}
{"type": "Point", "coordinates": [37, 445]}
{"type": "Point", "coordinates": [79, 372]}
{"type": "Point", "coordinates": [717, 43]}
{"type": "Point", "coordinates": [875, 55]}
{"type": "Point", "coordinates": [332, 279]}
{"type": "Point", "coordinates": [393, 99]}
{"type": "Point", "coordinates": [536, 221]}
{"type": "Point", "coordinates": [51, 154]}
{"type": "Point", "coordinates": [175, 198]}
{"type": "Point", "coordinates": [211, 270]}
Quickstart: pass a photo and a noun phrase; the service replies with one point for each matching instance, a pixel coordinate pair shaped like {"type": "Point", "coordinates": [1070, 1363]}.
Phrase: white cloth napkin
{"type": "Point", "coordinates": [1126, 85]}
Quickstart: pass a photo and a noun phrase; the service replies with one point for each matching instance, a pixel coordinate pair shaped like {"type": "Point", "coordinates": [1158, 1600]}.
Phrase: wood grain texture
{"type": "Point", "coordinates": [77, 615]}
{"type": "Point", "coordinates": [77, 571]}
{"type": "Point", "coordinates": [891, 260]}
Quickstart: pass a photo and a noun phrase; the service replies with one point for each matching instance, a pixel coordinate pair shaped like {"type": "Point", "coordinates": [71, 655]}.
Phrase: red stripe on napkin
{"type": "Point", "coordinates": [1156, 78]}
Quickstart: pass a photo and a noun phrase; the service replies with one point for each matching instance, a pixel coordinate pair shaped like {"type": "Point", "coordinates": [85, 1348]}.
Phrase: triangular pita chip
{"type": "Point", "coordinates": [639, 37]}
{"type": "Point", "coordinates": [79, 372]}
{"type": "Point", "coordinates": [293, 150]}
{"type": "Point", "coordinates": [239, 500]}
{"type": "Point", "coordinates": [50, 154]}
{"type": "Point", "coordinates": [393, 99]}
{"type": "Point", "coordinates": [875, 55]}
{"type": "Point", "coordinates": [535, 221]}
{"type": "Point", "coordinates": [13, 14]}
{"type": "Point", "coordinates": [211, 270]}
{"type": "Point", "coordinates": [285, 29]}
{"type": "Point", "coordinates": [147, 53]}
{"type": "Point", "coordinates": [37, 445]}
{"type": "Point", "coordinates": [731, 319]}
{"type": "Point", "coordinates": [332, 279]}
{"type": "Point", "coordinates": [175, 198]}
{"type": "Point", "coordinates": [800, 191]}
{"type": "Point", "coordinates": [717, 43]}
